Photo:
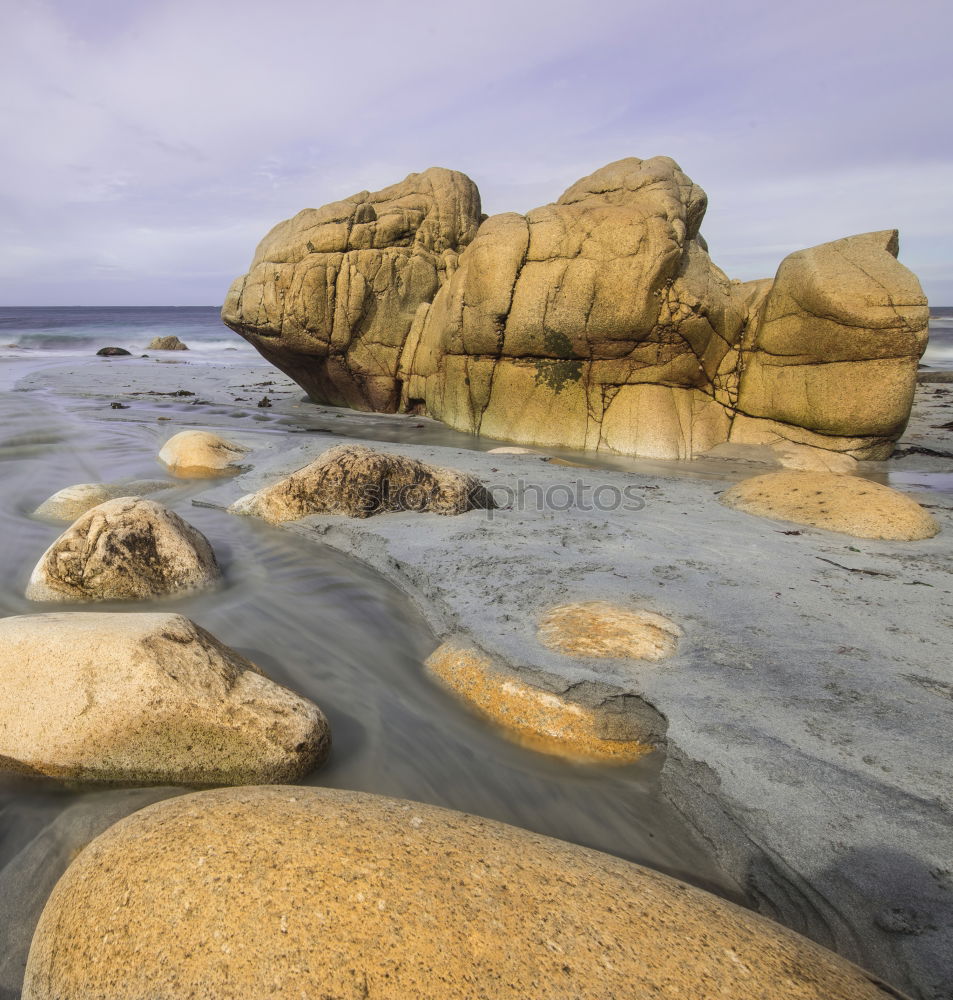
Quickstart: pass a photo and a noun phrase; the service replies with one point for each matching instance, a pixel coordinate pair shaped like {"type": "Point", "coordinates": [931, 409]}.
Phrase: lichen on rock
{"type": "Point", "coordinates": [357, 481]}
{"type": "Point", "coordinates": [124, 549]}
{"type": "Point", "coordinates": [541, 720]}
{"type": "Point", "coordinates": [600, 629]}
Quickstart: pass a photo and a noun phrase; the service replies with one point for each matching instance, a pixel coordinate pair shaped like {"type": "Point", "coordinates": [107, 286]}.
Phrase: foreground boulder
{"type": "Point", "coordinates": [70, 502]}
{"type": "Point", "coordinates": [166, 344]}
{"type": "Point", "coordinates": [122, 550]}
{"type": "Point", "coordinates": [541, 720]}
{"type": "Point", "coordinates": [838, 503]}
{"type": "Point", "coordinates": [200, 454]}
{"type": "Point", "coordinates": [599, 321]}
{"type": "Point", "coordinates": [359, 482]}
{"type": "Point", "coordinates": [145, 699]}
{"type": "Point", "coordinates": [307, 892]}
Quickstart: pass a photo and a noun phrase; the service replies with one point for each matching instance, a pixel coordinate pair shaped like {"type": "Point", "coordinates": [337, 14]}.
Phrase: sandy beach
{"type": "Point", "coordinates": [800, 718]}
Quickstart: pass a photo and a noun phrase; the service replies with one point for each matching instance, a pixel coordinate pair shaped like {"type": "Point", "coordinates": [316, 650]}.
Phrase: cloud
{"type": "Point", "coordinates": [150, 143]}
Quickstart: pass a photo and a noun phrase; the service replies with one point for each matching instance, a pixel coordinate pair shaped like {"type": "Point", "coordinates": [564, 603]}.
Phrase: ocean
{"type": "Point", "coordinates": [84, 329]}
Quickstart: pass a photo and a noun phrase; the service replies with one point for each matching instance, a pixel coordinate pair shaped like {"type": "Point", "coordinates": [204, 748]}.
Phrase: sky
{"type": "Point", "coordinates": [150, 144]}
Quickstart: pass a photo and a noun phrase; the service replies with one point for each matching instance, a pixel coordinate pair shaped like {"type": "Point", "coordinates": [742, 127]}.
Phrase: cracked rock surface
{"type": "Point", "coordinates": [597, 322]}
{"type": "Point", "coordinates": [124, 549]}
{"type": "Point", "coordinates": [357, 481]}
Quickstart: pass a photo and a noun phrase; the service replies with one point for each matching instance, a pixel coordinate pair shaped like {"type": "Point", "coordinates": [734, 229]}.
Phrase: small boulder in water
{"type": "Point", "coordinates": [537, 718]}
{"type": "Point", "coordinates": [198, 454]}
{"type": "Point", "coordinates": [166, 344]}
{"type": "Point", "coordinates": [113, 352]}
{"type": "Point", "coordinates": [359, 482]}
{"type": "Point", "coordinates": [124, 549]}
{"type": "Point", "coordinates": [70, 502]}
{"type": "Point", "coordinates": [145, 699]}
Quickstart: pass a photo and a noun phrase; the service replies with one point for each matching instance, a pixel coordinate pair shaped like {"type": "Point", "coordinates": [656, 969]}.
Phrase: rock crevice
{"type": "Point", "coordinates": [598, 321]}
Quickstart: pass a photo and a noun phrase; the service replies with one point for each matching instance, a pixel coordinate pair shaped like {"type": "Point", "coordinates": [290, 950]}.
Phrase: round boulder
{"type": "Point", "coordinates": [145, 699]}
{"type": "Point", "coordinates": [166, 344]}
{"type": "Point", "coordinates": [305, 892]}
{"type": "Point", "coordinates": [200, 454]}
{"type": "Point", "coordinates": [125, 549]}
{"type": "Point", "coordinates": [113, 352]}
{"type": "Point", "coordinates": [846, 504]}
{"type": "Point", "coordinates": [600, 629]}
{"type": "Point", "coordinates": [70, 502]}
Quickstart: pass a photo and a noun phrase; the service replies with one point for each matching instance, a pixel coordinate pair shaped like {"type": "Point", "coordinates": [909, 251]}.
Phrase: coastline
{"type": "Point", "coordinates": [801, 717]}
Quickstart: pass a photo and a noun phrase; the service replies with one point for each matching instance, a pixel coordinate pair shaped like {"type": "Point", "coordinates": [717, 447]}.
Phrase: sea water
{"type": "Point", "coordinates": [315, 620]}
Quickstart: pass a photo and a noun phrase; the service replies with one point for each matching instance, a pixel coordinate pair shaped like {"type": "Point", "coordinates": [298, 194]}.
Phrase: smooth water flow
{"type": "Point", "coordinates": [316, 621]}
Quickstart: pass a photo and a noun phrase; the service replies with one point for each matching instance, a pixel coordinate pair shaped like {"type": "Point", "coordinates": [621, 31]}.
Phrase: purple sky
{"type": "Point", "coordinates": [148, 146]}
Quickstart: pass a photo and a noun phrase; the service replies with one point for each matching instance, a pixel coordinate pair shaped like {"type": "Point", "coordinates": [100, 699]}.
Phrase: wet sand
{"type": "Point", "coordinates": [805, 708]}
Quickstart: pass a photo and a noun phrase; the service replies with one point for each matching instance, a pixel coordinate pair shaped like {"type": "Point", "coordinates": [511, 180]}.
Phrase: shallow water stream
{"type": "Point", "coordinates": [316, 621]}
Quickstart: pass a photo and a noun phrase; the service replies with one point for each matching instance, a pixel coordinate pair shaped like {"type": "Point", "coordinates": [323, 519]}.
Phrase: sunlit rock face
{"type": "Point", "coordinates": [332, 293]}
{"type": "Point", "coordinates": [598, 321]}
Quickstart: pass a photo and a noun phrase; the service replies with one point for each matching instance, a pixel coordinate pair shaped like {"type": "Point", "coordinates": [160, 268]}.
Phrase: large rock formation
{"type": "Point", "coordinates": [596, 322]}
{"type": "Point", "coordinates": [145, 699]}
{"type": "Point", "coordinates": [332, 293]}
{"type": "Point", "coordinates": [309, 892]}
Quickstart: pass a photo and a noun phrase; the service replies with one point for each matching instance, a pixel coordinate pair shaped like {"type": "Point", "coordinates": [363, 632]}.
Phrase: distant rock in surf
{"type": "Point", "coordinates": [124, 549]}
{"type": "Point", "coordinates": [145, 699]}
{"type": "Point", "coordinates": [113, 352]}
{"type": "Point", "coordinates": [166, 344]}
